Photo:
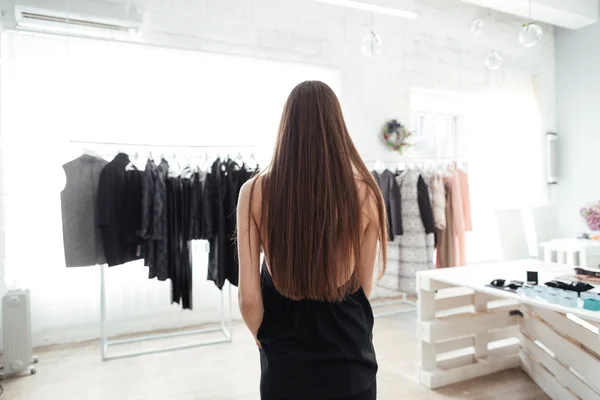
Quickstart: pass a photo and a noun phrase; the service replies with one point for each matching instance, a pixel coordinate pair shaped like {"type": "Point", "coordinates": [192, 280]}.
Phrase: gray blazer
{"type": "Point", "coordinates": [391, 197]}
{"type": "Point", "coordinates": [82, 239]}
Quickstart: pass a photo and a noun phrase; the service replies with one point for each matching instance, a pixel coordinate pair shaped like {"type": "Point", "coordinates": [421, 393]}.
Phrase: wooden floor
{"type": "Point", "coordinates": [231, 371]}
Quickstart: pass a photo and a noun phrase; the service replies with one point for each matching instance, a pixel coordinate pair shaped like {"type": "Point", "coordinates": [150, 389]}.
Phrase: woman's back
{"type": "Point", "coordinates": [313, 349]}
{"type": "Point", "coordinates": [318, 215]}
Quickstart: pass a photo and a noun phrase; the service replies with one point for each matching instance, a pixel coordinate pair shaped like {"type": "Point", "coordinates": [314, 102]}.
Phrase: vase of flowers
{"type": "Point", "coordinates": [591, 215]}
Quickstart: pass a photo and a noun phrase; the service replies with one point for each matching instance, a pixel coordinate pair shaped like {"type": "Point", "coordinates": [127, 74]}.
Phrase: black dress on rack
{"type": "Point", "coordinates": [218, 240]}
{"type": "Point", "coordinates": [223, 185]}
{"type": "Point", "coordinates": [180, 267]}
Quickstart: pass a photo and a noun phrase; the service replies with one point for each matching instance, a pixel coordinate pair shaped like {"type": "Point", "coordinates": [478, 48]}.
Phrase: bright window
{"type": "Point", "coordinates": [58, 89]}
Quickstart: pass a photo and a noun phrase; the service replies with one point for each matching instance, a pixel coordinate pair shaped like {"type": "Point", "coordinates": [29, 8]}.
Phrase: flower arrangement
{"type": "Point", "coordinates": [396, 136]}
{"type": "Point", "coordinates": [591, 215]}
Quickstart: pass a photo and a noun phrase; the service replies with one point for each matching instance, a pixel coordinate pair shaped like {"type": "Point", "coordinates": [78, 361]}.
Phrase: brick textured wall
{"type": "Point", "coordinates": [436, 51]}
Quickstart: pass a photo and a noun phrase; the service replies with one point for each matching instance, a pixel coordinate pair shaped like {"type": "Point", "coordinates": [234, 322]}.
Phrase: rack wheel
{"type": "Point", "coordinates": [33, 371]}
{"type": "Point", "coordinates": [36, 359]}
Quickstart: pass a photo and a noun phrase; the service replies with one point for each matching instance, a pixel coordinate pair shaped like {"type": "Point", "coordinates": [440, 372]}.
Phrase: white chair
{"type": "Point", "coordinates": [545, 225]}
{"type": "Point", "coordinates": [572, 252]}
{"type": "Point", "coordinates": [511, 230]}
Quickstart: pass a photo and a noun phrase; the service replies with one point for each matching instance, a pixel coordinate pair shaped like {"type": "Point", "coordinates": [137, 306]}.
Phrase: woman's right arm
{"type": "Point", "coordinates": [248, 242]}
{"type": "Point", "coordinates": [369, 244]}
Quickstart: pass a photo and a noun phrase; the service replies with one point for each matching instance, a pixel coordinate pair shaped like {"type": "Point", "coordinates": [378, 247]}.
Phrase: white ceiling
{"type": "Point", "coordinates": [571, 14]}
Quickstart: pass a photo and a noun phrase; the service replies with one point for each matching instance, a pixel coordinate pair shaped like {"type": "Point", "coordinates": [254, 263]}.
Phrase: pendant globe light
{"type": "Point", "coordinates": [493, 60]}
{"type": "Point", "coordinates": [372, 45]}
{"type": "Point", "coordinates": [531, 33]}
{"type": "Point", "coordinates": [476, 26]}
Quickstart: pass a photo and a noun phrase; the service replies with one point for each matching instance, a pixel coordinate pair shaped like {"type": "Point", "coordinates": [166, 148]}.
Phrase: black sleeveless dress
{"type": "Point", "coordinates": [316, 350]}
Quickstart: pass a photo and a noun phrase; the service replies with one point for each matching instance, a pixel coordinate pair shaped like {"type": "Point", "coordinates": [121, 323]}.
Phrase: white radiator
{"type": "Point", "coordinates": [16, 331]}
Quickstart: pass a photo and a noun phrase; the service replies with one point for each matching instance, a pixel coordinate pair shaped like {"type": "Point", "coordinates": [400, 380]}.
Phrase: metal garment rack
{"type": "Point", "coordinates": [226, 323]}
{"type": "Point", "coordinates": [225, 327]}
{"type": "Point", "coordinates": [404, 299]}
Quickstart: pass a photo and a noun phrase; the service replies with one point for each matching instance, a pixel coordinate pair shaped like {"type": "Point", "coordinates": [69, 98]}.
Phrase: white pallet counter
{"type": "Point", "coordinates": [468, 330]}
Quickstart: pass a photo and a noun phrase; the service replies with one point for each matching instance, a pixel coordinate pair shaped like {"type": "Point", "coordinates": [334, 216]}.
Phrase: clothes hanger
{"type": "Point", "coordinates": [379, 166]}
{"type": "Point", "coordinates": [239, 160]}
{"type": "Point", "coordinates": [252, 162]}
{"type": "Point", "coordinates": [131, 166]}
{"type": "Point", "coordinates": [90, 152]}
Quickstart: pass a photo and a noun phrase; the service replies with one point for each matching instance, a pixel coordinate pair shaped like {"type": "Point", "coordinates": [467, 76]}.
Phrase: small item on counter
{"type": "Point", "coordinates": [541, 291]}
{"type": "Point", "coordinates": [498, 282]}
{"type": "Point", "coordinates": [588, 272]}
{"type": "Point", "coordinates": [568, 298]}
{"type": "Point", "coordinates": [574, 286]}
{"type": "Point", "coordinates": [553, 298]}
{"type": "Point", "coordinates": [571, 303]}
{"type": "Point", "coordinates": [515, 284]}
{"type": "Point", "coordinates": [529, 292]}
{"type": "Point", "coordinates": [590, 295]}
{"type": "Point", "coordinates": [532, 277]}
{"type": "Point", "coordinates": [591, 304]}
{"type": "Point", "coordinates": [555, 290]}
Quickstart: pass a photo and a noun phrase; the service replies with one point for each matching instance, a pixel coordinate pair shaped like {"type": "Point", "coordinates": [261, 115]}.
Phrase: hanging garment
{"type": "Point", "coordinates": [438, 201]}
{"type": "Point", "coordinates": [81, 236]}
{"type": "Point", "coordinates": [391, 197]}
{"type": "Point", "coordinates": [132, 224]}
{"type": "Point", "coordinates": [224, 184]}
{"type": "Point", "coordinates": [459, 218]}
{"type": "Point", "coordinates": [195, 208]}
{"type": "Point", "coordinates": [415, 248]}
{"type": "Point", "coordinates": [159, 222]}
{"type": "Point", "coordinates": [218, 241]}
{"type": "Point", "coordinates": [180, 268]}
{"type": "Point", "coordinates": [236, 177]}
{"type": "Point", "coordinates": [111, 212]}
{"type": "Point", "coordinates": [206, 230]}
{"type": "Point", "coordinates": [466, 199]}
{"type": "Point", "coordinates": [315, 349]}
{"type": "Point", "coordinates": [148, 188]}
{"type": "Point", "coordinates": [446, 250]}
{"type": "Point", "coordinates": [147, 199]}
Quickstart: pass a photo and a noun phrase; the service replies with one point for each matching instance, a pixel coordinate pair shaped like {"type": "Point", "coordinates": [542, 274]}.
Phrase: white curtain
{"type": "Point", "coordinates": [59, 89]}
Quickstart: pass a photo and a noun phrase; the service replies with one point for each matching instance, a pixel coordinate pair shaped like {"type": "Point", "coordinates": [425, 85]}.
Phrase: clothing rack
{"type": "Point", "coordinates": [226, 323]}
{"type": "Point", "coordinates": [404, 299]}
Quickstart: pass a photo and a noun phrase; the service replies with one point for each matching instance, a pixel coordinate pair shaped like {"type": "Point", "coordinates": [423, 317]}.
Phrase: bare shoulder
{"type": "Point", "coordinates": [251, 192]}
{"type": "Point", "coordinates": [368, 200]}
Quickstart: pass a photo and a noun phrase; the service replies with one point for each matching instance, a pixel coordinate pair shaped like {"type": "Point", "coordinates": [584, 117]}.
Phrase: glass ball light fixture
{"type": "Point", "coordinates": [476, 26]}
{"type": "Point", "coordinates": [372, 45]}
{"type": "Point", "coordinates": [531, 33]}
{"type": "Point", "coordinates": [493, 60]}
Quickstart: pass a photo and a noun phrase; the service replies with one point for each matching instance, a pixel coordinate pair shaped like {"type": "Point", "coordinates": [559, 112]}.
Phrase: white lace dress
{"type": "Point", "coordinates": [412, 251]}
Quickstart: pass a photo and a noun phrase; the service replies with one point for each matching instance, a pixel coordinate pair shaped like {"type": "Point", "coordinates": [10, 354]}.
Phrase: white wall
{"type": "Point", "coordinates": [578, 96]}
{"type": "Point", "coordinates": [436, 52]}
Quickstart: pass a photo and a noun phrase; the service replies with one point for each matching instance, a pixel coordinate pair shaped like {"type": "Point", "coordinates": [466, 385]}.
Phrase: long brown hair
{"type": "Point", "coordinates": [311, 211]}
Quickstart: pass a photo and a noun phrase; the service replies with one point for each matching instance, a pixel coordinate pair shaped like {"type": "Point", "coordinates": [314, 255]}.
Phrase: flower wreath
{"type": "Point", "coordinates": [396, 136]}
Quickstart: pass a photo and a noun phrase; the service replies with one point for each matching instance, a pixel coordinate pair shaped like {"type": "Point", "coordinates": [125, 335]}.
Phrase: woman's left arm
{"type": "Point", "coordinates": [248, 243]}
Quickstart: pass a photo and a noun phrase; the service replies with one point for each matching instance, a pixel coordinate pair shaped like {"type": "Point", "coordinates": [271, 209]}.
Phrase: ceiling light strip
{"type": "Point", "coordinates": [357, 5]}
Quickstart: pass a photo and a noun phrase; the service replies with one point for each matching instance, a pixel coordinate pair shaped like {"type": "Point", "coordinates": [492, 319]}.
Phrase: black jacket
{"type": "Point", "coordinates": [111, 212]}
{"type": "Point", "coordinates": [391, 197]}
